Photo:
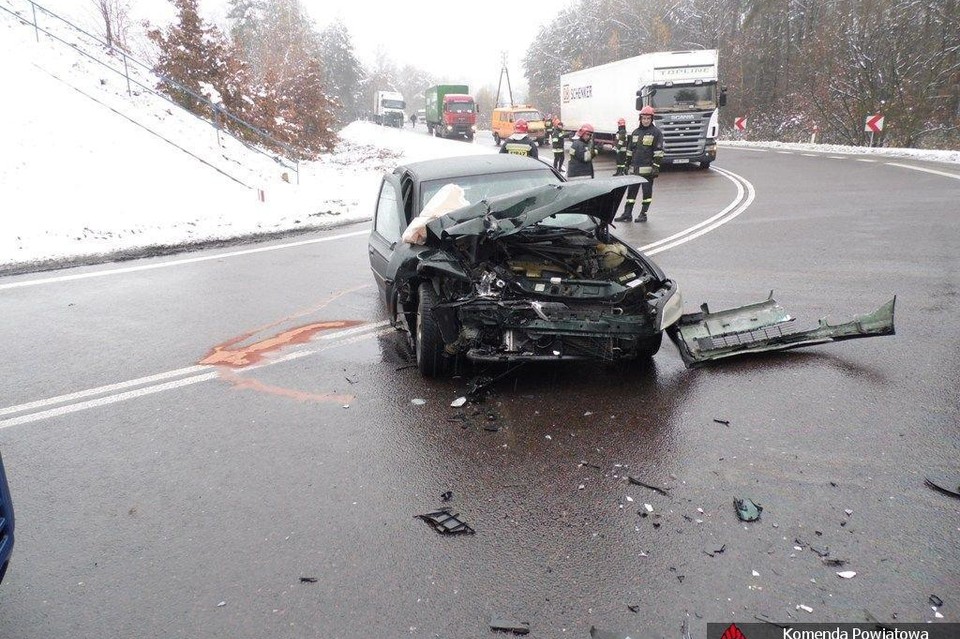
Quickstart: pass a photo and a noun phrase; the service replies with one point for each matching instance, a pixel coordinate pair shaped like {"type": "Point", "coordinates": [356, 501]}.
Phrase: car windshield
{"type": "Point", "coordinates": [460, 107]}
{"type": "Point", "coordinates": [684, 98]}
{"type": "Point", "coordinates": [480, 187]}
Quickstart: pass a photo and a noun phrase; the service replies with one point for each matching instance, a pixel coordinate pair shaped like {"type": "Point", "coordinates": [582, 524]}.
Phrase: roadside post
{"type": "Point", "coordinates": [874, 124]}
{"type": "Point", "coordinates": [740, 124]}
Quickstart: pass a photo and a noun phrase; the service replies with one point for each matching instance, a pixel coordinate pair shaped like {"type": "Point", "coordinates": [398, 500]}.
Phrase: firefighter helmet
{"type": "Point", "coordinates": [647, 110]}
{"type": "Point", "coordinates": [584, 129]}
{"type": "Point", "coordinates": [621, 122]}
{"type": "Point", "coordinates": [520, 126]}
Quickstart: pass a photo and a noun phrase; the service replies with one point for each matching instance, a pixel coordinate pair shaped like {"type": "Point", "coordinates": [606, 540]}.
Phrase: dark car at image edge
{"type": "Point", "coordinates": [6, 522]}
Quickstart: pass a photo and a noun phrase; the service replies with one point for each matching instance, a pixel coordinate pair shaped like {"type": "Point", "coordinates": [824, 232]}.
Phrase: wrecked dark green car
{"type": "Point", "coordinates": [498, 259]}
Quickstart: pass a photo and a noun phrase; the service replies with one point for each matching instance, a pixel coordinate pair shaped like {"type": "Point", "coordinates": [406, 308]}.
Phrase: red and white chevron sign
{"type": "Point", "coordinates": [740, 124]}
{"type": "Point", "coordinates": [874, 124]}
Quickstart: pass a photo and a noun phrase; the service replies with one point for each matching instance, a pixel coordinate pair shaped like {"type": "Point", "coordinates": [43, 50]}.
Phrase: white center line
{"type": "Point", "coordinates": [810, 155]}
{"type": "Point", "coordinates": [785, 152]}
{"type": "Point", "coordinates": [190, 260]}
{"type": "Point", "coordinates": [920, 168]}
{"type": "Point", "coordinates": [865, 160]}
{"type": "Point", "coordinates": [836, 157]}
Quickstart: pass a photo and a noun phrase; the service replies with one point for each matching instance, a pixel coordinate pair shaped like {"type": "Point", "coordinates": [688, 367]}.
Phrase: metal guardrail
{"type": "Point", "coordinates": [219, 113]}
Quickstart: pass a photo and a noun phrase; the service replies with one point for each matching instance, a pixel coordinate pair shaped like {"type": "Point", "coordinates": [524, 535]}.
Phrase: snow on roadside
{"type": "Point", "coordinates": [926, 155]}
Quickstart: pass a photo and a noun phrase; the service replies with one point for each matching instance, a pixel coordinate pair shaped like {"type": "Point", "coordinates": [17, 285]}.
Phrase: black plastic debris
{"type": "Point", "coordinates": [936, 601]}
{"type": "Point", "coordinates": [447, 523]}
{"type": "Point", "coordinates": [479, 387]}
{"type": "Point", "coordinates": [308, 580]}
{"type": "Point", "coordinates": [502, 624]}
{"type": "Point", "coordinates": [656, 489]}
{"type": "Point", "coordinates": [446, 496]}
{"type": "Point", "coordinates": [766, 619]}
{"type": "Point", "coordinates": [822, 551]}
{"type": "Point", "coordinates": [725, 422]}
{"type": "Point", "coordinates": [946, 485]}
{"type": "Point", "coordinates": [713, 551]}
{"type": "Point", "coordinates": [635, 608]}
{"type": "Point", "coordinates": [833, 562]}
{"type": "Point", "coordinates": [747, 510]}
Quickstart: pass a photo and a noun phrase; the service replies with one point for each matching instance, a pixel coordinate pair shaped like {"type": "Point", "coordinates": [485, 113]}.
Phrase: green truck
{"type": "Point", "coordinates": [451, 111]}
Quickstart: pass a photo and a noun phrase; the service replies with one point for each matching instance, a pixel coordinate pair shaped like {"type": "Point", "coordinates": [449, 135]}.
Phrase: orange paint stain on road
{"type": "Point", "coordinates": [231, 354]}
{"type": "Point", "coordinates": [245, 383]}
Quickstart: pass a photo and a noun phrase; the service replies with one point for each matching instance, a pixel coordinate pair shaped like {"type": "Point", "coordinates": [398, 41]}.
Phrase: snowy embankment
{"type": "Point", "coordinates": [915, 154]}
{"type": "Point", "coordinates": [91, 173]}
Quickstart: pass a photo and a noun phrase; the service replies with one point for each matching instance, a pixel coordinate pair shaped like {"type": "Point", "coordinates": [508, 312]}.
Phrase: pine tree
{"type": "Point", "coordinates": [192, 54]}
{"type": "Point", "coordinates": [344, 73]}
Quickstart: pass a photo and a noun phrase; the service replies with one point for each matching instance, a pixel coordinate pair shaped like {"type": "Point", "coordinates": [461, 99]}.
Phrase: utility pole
{"type": "Point", "coordinates": [504, 71]}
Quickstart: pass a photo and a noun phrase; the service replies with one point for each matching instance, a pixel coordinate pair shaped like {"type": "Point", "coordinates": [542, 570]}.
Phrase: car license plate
{"type": "Point", "coordinates": [681, 161]}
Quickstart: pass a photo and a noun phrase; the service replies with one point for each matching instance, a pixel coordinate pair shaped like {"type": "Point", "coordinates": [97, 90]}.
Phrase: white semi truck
{"type": "Point", "coordinates": [680, 85]}
{"type": "Point", "coordinates": [388, 109]}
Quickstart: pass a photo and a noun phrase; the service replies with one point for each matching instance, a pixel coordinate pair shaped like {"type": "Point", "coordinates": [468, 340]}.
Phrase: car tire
{"type": "Point", "coordinates": [428, 344]}
{"type": "Point", "coordinates": [496, 139]}
{"type": "Point", "coordinates": [647, 347]}
{"type": "Point", "coordinates": [470, 138]}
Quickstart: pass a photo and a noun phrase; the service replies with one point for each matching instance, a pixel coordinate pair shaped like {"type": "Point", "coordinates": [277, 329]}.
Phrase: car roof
{"type": "Point", "coordinates": [446, 168]}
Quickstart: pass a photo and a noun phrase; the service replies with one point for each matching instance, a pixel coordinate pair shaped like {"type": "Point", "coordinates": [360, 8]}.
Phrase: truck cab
{"type": "Point", "coordinates": [683, 90]}
{"type": "Point", "coordinates": [388, 108]}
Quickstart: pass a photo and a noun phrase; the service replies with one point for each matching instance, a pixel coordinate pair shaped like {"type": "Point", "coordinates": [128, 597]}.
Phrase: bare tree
{"type": "Point", "coordinates": [116, 21]}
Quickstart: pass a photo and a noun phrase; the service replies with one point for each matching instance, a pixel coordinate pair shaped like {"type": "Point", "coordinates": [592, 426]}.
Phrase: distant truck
{"type": "Point", "coordinates": [680, 85]}
{"type": "Point", "coordinates": [451, 111]}
{"type": "Point", "coordinates": [388, 109]}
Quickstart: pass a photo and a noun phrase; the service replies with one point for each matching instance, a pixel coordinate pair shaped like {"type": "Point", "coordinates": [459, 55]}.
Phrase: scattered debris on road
{"type": "Point", "coordinates": [725, 422]}
{"type": "Point", "coordinates": [947, 486]}
{"type": "Point", "coordinates": [747, 510]}
{"type": "Point", "coordinates": [502, 624]}
{"type": "Point", "coordinates": [416, 401]}
{"type": "Point", "coordinates": [833, 562]}
{"type": "Point", "coordinates": [936, 601]}
{"type": "Point", "coordinates": [458, 402]}
{"type": "Point", "coordinates": [713, 551]}
{"type": "Point", "coordinates": [637, 482]}
{"type": "Point", "coordinates": [221, 604]}
{"type": "Point", "coordinates": [308, 580]}
{"type": "Point", "coordinates": [634, 608]}
{"type": "Point", "coordinates": [803, 607]}
{"type": "Point", "coordinates": [847, 574]}
{"type": "Point", "coordinates": [447, 523]}
{"type": "Point", "coordinates": [766, 619]}
{"type": "Point", "coordinates": [446, 496]}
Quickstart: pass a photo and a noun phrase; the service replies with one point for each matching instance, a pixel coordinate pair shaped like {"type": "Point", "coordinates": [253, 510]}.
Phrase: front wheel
{"type": "Point", "coordinates": [470, 138]}
{"type": "Point", "coordinates": [431, 359]}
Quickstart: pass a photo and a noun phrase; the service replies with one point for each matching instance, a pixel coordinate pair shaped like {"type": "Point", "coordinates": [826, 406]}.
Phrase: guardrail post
{"type": "Point", "coordinates": [36, 28]}
{"type": "Point", "coordinates": [126, 73]}
{"type": "Point", "coordinates": [216, 123]}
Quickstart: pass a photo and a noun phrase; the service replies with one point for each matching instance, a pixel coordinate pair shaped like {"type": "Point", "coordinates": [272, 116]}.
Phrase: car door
{"type": "Point", "coordinates": [388, 224]}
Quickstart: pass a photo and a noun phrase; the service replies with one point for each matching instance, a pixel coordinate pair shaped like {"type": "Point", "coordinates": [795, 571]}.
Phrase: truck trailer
{"type": "Point", "coordinates": [388, 108]}
{"type": "Point", "coordinates": [682, 86]}
{"type": "Point", "coordinates": [451, 111]}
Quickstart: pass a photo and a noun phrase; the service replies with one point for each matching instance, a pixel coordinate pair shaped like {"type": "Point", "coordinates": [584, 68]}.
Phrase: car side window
{"type": "Point", "coordinates": [388, 213]}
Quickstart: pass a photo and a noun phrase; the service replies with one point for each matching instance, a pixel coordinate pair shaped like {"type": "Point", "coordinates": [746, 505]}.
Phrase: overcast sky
{"type": "Point", "coordinates": [461, 41]}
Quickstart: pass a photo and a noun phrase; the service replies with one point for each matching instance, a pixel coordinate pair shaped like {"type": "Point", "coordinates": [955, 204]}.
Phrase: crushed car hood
{"type": "Point", "coordinates": [765, 326]}
{"type": "Point", "coordinates": [504, 215]}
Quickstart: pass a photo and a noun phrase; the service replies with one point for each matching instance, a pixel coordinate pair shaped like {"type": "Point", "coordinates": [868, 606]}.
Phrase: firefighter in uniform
{"type": "Point", "coordinates": [582, 153]}
{"type": "Point", "coordinates": [556, 141]}
{"type": "Point", "coordinates": [520, 143]}
{"type": "Point", "coordinates": [547, 129]}
{"type": "Point", "coordinates": [645, 150]}
{"type": "Point", "coordinates": [621, 145]}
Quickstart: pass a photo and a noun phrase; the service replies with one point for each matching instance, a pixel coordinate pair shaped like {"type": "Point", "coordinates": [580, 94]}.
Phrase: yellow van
{"type": "Point", "coordinates": [503, 118]}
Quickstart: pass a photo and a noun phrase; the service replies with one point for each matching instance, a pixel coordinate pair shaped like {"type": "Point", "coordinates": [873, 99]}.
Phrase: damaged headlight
{"type": "Point", "coordinates": [490, 285]}
{"type": "Point", "coordinates": [672, 310]}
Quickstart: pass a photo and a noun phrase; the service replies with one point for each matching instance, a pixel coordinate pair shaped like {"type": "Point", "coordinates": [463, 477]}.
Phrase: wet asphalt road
{"type": "Point", "coordinates": [141, 508]}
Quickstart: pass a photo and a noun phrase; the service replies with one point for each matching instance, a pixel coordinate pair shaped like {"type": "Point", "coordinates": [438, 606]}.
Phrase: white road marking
{"type": "Point", "coordinates": [745, 148]}
{"type": "Point", "coordinates": [836, 157]}
{"type": "Point", "coordinates": [740, 204]}
{"type": "Point", "coordinates": [189, 260]}
{"type": "Point", "coordinates": [344, 337]}
{"type": "Point", "coordinates": [865, 160]}
{"type": "Point", "coordinates": [785, 152]}
{"type": "Point", "coordinates": [920, 168]}
{"type": "Point", "coordinates": [810, 155]}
